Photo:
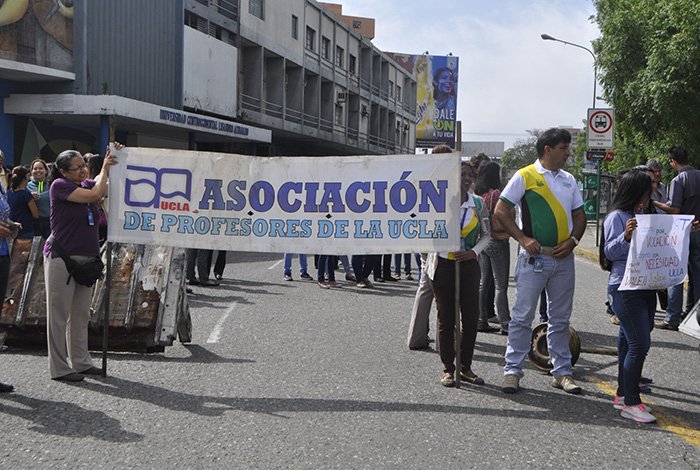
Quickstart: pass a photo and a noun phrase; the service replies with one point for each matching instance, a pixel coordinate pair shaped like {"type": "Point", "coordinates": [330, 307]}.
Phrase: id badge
{"type": "Point", "coordinates": [91, 219]}
{"type": "Point", "coordinates": [538, 265]}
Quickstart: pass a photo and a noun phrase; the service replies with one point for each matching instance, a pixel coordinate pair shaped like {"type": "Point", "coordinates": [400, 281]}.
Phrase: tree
{"type": "Point", "coordinates": [521, 154]}
{"type": "Point", "coordinates": [649, 57]}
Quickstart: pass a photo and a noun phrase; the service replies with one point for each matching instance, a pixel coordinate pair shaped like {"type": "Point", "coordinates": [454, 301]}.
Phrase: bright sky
{"type": "Point", "coordinates": [510, 79]}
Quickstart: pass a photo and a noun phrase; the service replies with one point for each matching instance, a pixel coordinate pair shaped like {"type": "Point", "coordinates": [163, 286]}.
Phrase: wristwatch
{"type": "Point", "coordinates": [575, 240]}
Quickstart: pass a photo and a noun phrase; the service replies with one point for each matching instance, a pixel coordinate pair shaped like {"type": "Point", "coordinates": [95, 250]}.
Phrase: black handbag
{"type": "Point", "coordinates": [85, 273]}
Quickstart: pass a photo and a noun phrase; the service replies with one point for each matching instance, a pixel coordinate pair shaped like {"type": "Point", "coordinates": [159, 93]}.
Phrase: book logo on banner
{"type": "Point", "coordinates": [147, 191]}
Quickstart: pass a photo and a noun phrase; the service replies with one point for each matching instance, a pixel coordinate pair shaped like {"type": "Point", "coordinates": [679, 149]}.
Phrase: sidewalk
{"type": "Point", "coordinates": [587, 247]}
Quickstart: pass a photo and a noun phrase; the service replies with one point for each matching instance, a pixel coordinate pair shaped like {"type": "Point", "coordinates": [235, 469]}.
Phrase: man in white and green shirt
{"type": "Point", "coordinates": [552, 223]}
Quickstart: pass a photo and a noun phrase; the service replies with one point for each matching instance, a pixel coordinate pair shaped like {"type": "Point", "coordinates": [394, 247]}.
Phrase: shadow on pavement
{"type": "Point", "coordinates": [198, 355]}
{"type": "Point", "coordinates": [554, 406]}
{"type": "Point", "coordinates": [65, 419]}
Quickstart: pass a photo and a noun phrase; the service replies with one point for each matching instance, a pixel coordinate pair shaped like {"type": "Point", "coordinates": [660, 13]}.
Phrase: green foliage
{"type": "Point", "coordinates": [521, 154]}
{"type": "Point", "coordinates": [649, 56]}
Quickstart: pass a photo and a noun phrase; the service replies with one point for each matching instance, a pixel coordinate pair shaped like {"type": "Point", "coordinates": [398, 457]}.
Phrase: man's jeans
{"type": "Point", "coordinates": [288, 263]}
{"type": "Point", "coordinates": [558, 278]}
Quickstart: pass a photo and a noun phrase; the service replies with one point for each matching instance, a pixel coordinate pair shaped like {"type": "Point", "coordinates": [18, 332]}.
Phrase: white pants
{"type": "Point", "coordinates": [67, 318]}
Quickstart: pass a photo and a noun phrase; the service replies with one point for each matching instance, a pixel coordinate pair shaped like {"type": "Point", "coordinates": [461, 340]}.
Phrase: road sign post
{"type": "Point", "coordinates": [599, 136]}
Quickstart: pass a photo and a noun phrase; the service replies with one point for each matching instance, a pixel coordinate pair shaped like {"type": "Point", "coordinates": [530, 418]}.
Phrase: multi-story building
{"type": "Point", "coordinates": [248, 76]}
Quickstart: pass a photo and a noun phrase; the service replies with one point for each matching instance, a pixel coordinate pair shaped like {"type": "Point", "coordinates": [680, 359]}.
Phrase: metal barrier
{"type": "Point", "coordinates": [147, 301]}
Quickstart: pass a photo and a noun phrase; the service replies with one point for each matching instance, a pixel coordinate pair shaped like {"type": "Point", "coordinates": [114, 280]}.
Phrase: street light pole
{"type": "Point", "coordinates": [547, 37]}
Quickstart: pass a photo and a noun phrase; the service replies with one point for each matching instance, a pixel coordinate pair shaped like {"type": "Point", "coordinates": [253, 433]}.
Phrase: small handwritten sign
{"type": "Point", "coordinates": [658, 256]}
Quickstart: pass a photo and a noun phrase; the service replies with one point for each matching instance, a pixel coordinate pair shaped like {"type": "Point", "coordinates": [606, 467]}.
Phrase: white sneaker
{"type": "Point", "coordinates": [619, 403]}
{"type": "Point", "coordinates": [637, 413]}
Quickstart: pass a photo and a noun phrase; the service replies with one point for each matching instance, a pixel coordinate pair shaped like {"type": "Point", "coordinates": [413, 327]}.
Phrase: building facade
{"type": "Point", "coordinates": [245, 76]}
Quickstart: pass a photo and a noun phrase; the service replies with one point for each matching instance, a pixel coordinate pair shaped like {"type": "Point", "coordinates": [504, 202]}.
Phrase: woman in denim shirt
{"type": "Point", "coordinates": [634, 308]}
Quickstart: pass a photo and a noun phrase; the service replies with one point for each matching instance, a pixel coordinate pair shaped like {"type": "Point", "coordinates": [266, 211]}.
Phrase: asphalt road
{"type": "Point", "coordinates": [287, 375]}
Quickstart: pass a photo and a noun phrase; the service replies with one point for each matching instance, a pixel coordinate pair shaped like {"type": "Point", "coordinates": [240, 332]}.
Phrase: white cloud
{"type": "Point", "coordinates": [510, 79]}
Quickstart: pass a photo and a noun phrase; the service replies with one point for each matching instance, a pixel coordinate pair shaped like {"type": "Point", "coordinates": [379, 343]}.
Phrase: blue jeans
{"type": "Point", "coordinates": [346, 263]}
{"type": "Point", "coordinates": [494, 262]}
{"type": "Point", "coordinates": [325, 265]}
{"type": "Point", "coordinates": [674, 309]}
{"type": "Point", "coordinates": [303, 266]}
{"type": "Point", "coordinates": [406, 263]}
{"type": "Point", "coordinates": [635, 310]}
{"type": "Point", "coordinates": [558, 279]}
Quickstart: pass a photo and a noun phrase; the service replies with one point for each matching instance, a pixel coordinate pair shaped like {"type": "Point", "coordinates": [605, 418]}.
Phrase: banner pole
{"type": "Point", "coordinates": [458, 330]}
{"type": "Point", "coordinates": [105, 325]}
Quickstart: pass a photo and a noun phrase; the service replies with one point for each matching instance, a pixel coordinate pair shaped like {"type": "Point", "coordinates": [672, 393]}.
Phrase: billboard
{"type": "Point", "coordinates": [436, 96]}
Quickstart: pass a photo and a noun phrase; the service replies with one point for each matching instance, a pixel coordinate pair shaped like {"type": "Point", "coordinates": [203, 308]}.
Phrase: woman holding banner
{"type": "Point", "coordinates": [441, 269]}
{"type": "Point", "coordinates": [634, 308]}
{"type": "Point", "coordinates": [74, 234]}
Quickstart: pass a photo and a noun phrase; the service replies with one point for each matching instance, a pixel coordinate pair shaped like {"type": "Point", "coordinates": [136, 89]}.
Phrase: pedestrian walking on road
{"type": "Point", "coordinates": [553, 221]}
{"type": "Point", "coordinates": [634, 308]}
{"type": "Point", "coordinates": [441, 269]}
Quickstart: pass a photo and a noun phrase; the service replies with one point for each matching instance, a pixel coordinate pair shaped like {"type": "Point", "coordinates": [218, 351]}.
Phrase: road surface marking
{"type": "Point", "coordinates": [666, 420]}
{"type": "Point", "coordinates": [276, 264]}
{"type": "Point", "coordinates": [216, 332]}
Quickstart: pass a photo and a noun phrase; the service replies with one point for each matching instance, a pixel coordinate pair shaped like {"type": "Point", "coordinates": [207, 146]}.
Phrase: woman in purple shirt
{"type": "Point", "coordinates": [634, 308]}
{"type": "Point", "coordinates": [74, 225]}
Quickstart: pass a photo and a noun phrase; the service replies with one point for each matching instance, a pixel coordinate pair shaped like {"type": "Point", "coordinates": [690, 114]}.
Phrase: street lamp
{"type": "Point", "coordinates": [547, 37]}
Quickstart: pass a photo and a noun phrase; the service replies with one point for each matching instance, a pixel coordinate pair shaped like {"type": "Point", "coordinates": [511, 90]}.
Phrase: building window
{"type": "Point", "coordinates": [339, 114]}
{"type": "Point", "coordinates": [352, 63]}
{"type": "Point", "coordinates": [325, 48]}
{"type": "Point", "coordinates": [310, 38]}
{"type": "Point", "coordinates": [340, 57]}
{"type": "Point", "coordinates": [295, 27]}
{"type": "Point", "coordinates": [398, 93]}
{"type": "Point", "coordinates": [356, 24]}
{"type": "Point", "coordinates": [257, 8]}
{"type": "Point", "coordinates": [391, 89]}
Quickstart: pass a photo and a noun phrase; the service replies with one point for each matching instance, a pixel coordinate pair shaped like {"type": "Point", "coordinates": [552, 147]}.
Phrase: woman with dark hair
{"type": "Point", "coordinates": [74, 217]}
{"type": "Point", "coordinates": [444, 90]}
{"type": "Point", "coordinates": [494, 261]}
{"type": "Point", "coordinates": [634, 308]}
{"type": "Point", "coordinates": [39, 187]}
{"type": "Point", "coordinates": [22, 205]}
{"type": "Point", "coordinates": [441, 267]}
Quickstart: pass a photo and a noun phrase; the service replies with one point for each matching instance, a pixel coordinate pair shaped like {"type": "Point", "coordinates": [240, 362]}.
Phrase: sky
{"type": "Point", "coordinates": [510, 80]}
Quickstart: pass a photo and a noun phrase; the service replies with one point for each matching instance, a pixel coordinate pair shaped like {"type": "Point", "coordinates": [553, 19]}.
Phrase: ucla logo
{"type": "Point", "coordinates": [148, 190]}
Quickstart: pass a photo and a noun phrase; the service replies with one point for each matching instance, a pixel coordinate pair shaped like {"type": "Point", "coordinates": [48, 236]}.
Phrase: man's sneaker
{"type": "Point", "coordinates": [638, 413]}
{"type": "Point", "coordinates": [306, 276]}
{"type": "Point", "coordinates": [619, 403]}
{"type": "Point", "coordinates": [566, 383]}
{"type": "Point", "coordinates": [448, 379]}
{"type": "Point", "coordinates": [511, 384]}
{"type": "Point", "coordinates": [664, 325]}
{"type": "Point", "coordinates": [494, 319]}
{"type": "Point", "coordinates": [614, 320]}
{"type": "Point", "coordinates": [409, 277]}
{"type": "Point", "coordinates": [288, 277]}
{"type": "Point", "coordinates": [350, 277]}
{"type": "Point", "coordinates": [323, 285]}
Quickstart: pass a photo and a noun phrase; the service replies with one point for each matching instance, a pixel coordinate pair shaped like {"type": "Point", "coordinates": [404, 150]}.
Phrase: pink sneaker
{"type": "Point", "coordinates": [637, 413]}
{"type": "Point", "coordinates": [619, 403]}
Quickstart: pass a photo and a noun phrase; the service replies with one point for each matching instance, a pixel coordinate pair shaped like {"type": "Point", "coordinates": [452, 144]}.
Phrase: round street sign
{"type": "Point", "coordinates": [600, 122]}
{"type": "Point", "coordinates": [609, 156]}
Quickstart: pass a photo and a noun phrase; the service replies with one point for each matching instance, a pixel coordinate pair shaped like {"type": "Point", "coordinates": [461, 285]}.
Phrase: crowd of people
{"type": "Point", "coordinates": [552, 222]}
{"type": "Point", "coordinates": [63, 202]}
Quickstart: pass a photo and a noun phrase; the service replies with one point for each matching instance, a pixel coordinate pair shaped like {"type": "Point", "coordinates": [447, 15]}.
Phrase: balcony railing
{"type": "Point", "coordinates": [273, 109]}
{"type": "Point", "coordinates": [250, 103]}
{"type": "Point", "coordinates": [293, 116]}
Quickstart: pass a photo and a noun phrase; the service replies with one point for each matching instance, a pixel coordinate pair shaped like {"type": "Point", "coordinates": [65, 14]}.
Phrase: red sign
{"type": "Point", "coordinates": [609, 156]}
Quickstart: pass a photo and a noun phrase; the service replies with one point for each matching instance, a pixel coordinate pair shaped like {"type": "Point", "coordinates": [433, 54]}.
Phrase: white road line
{"type": "Point", "coordinates": [276, 264]}
{"type": "Point", "coordinates": [216, 332]}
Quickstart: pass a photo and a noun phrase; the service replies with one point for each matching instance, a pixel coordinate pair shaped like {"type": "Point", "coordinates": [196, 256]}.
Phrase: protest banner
{"type": "Point", "coordinates": [325, 205]}
{"type": "Point", "coordinates": [658, 256]}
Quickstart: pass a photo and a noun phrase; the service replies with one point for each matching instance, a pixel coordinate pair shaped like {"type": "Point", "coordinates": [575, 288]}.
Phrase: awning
{"type": "Point", "coordinates": [132, 115]}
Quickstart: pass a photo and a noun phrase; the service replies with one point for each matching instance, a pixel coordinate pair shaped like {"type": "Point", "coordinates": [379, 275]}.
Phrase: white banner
{"type": "Point", "coordinates": [322, 205]}
{"type": "Point", "coordinates": [658, 256]}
